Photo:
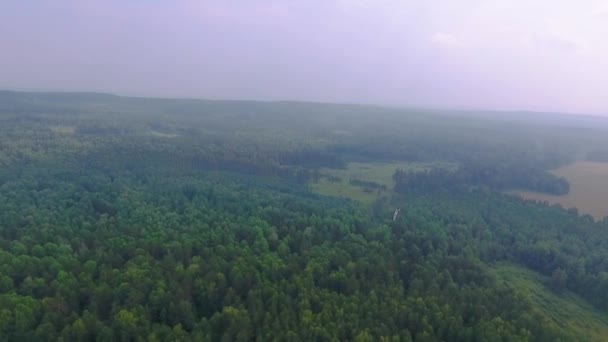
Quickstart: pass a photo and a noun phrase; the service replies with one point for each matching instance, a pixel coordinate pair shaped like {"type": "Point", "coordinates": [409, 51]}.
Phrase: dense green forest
{"type": "Point", "coordinates": [136, 219]}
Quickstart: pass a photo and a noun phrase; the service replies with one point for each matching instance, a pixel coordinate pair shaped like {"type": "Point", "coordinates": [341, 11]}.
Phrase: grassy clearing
{"type": "Point", "coordinates": [63, 129]}
{"type": "Point", "coordinates": [588, 189]}
{"type": "Point", "coordinates": [379, 173]}
{"type": "Point", "coordinates": [162, 135]}
{"type": "Point", "coordinates": [569, 311]}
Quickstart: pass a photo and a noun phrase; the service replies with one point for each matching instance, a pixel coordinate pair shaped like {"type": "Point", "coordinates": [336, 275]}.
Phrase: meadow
{"type": "Point", "coordinates": [588, 189]}
{"type": "Point", "coordinates": [337, 182]}
{"type": "Point", "coordinates": [569, 311]}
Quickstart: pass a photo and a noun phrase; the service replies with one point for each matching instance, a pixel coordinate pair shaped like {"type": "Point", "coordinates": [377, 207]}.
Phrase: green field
{"type": "Point", "coordinates": [570, 312]}
{"type": "Point", "coordinates": [588, 189]}
{"type": "Point", "coordinates": [63, 129]}
{"type": "Point", "coordinates": [380, 173]}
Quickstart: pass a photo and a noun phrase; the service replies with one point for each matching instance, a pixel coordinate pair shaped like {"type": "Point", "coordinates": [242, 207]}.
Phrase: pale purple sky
{"type": "Point", "coordinates": [549, 55]}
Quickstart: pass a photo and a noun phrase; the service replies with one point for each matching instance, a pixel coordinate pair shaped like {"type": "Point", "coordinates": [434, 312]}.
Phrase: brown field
{"type": "Point", "coordinates": [588, 189]}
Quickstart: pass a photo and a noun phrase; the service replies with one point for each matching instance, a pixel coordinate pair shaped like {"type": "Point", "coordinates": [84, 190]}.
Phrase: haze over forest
{"type": "Point", "coordinates": [306, 170]}
{"type": "Point", "coordinates": [535, 55]}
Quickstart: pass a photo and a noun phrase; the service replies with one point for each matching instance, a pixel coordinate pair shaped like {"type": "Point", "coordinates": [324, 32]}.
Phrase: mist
{"type": "Point", "coordinates": [310, 170]}
{"type": "Point", "coordinates": [508, 55]}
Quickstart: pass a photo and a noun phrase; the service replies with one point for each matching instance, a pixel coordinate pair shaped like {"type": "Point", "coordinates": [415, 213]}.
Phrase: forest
{"type": "Point", "coordinates": [142, 219]}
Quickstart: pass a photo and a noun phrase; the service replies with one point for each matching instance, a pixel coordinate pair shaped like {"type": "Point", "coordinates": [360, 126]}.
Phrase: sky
{"type": "Point", "coordinates": [538, 55]}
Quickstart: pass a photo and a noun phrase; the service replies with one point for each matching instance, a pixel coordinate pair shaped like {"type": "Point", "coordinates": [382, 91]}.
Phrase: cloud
{"type": "Point", "coordinates": [554, 42]}
{"type": "Point", "coordinates": [446, 39]}
{"type": "Point", "coordinates": [600, 11]}
{"type": "Point", "coordinates": [538, 54]}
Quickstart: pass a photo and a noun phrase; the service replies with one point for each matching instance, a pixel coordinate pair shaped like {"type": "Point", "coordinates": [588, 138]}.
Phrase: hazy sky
{"type": "Point", "coordinates": [497, 54]}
